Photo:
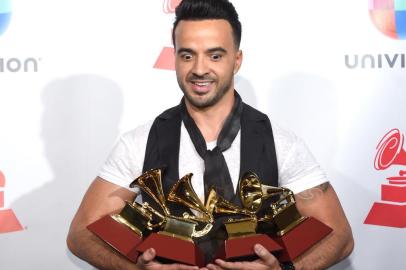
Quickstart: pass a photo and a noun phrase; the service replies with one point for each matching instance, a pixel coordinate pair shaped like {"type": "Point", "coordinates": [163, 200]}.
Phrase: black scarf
{"type": "Point", "coordinates": [215, 167]}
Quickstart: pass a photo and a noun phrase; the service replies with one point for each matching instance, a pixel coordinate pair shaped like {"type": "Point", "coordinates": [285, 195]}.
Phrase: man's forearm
{"type": "Point", "coordinates": [326, 253]}
{"type": "Point", "coordinates": [322, 202]}
{"type": "Point", "coordinates": [88, 247]}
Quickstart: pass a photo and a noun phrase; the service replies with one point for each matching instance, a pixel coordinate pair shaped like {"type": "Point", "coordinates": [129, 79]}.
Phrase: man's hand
{"type": "Point", "coordinates": [266, 261]}
{"type": "Point", "coordinates": [146, 262]}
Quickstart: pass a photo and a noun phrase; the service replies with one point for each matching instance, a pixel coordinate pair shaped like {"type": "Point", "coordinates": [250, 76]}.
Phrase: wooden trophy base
{"type": "Point", "coordinates": [173, 249]}
{"type": "Point", "coordinates": [301, 238]}
{"type": "Point", "coordinates": [117, 235]}
{"type": "Point", "coordinates": [242, 248]}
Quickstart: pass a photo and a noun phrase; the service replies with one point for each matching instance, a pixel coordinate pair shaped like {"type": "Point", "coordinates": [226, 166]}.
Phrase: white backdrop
{"type": "Point", "coordinates": [90, 77]}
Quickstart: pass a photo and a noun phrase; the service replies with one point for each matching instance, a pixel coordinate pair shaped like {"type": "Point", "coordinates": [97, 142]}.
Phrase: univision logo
{"type": "Point", "coordinates": [389, 16]}
{"type": "Point", "coordinates": [5, 15]}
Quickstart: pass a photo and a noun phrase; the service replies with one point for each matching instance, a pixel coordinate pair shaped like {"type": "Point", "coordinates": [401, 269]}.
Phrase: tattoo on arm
{"type": "Point", "coordinates": [314, 192]}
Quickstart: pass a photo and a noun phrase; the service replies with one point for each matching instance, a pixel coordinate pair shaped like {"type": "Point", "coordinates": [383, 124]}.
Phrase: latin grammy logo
{"type": "Point", "coordinates": [166, 59]}
{"type": "Point", "coordinates": [8, 220]}
{"type": "Point", "coordinates": [391, 211]}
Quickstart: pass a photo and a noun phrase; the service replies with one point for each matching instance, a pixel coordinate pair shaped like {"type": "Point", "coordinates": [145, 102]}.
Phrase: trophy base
{"type": "Point", "coordinates": [301, 238]}
{"type": "Point", "coordinates": [242, 248]}
{"type": "Point", "coordinates": [173, 249]}
{"type": "Point", "coordinates": [386, 214]}
{"type": "Point", "coordinates": [117, 235]}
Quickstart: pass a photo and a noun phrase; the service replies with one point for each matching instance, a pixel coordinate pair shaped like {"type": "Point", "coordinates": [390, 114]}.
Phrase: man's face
{"type": "Point", "coordinates": [206, 60]}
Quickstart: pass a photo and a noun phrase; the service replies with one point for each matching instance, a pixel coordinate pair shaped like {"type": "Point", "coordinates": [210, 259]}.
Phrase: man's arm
{"type": "Point", "coordinates": [321, 202]}
{"type": "Point", "coordinates": [103, 198]}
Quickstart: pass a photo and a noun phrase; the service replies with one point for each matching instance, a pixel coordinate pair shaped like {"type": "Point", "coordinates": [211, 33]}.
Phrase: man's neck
{"type": "Point", "coordinates": [210, 120]}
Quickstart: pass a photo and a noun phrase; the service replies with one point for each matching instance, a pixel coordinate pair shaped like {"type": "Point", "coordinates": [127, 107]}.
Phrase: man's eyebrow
{"type": "Point", "coordinates": [184, 50]}
{"type": "Point", "coordinates": [217, 49]}
{"type": "Point", "coordinates": [211, 50]}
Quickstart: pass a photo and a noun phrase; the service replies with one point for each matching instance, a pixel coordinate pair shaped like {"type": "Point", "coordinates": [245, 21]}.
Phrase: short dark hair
{"type": "Point", "coordinates": [196, 10]}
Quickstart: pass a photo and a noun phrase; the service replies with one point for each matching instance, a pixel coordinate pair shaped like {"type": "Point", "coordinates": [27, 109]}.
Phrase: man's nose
{"type": "Point", "coordinates": [200, 67]}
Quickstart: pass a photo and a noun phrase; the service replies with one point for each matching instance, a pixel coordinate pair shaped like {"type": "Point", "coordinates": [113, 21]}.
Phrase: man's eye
{"type": "Point", "coordinates": [216, 57]}
{"type": "Point", "coordinates": [187, 57]}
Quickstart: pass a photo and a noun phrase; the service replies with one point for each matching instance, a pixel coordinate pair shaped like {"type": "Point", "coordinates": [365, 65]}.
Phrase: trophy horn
{"type": "Point", "coordinates": [218, 205]}
{"type": "Point", "coordinates": [151, 183]}
{"type": "Point", "coordinates": [182, 192]}
{"type": "Point", "coordinates": [390, 150]}
{"type": "Point", "coordinates": [252, 193]}
{"type": "Point", "coordinates": [211, 200]}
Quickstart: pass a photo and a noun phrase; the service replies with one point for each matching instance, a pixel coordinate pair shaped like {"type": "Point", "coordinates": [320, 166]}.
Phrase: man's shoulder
{"type": "Point", "coordinates": [253, 114]}
{"type": "Point", "coordinates": [280, 133]}
{"type": "Point", "coordinates": [142, 130]}
{"type": "Point", "coordinates": [283, 135]}
{"type": "Point", "coordinates": [170, 113]}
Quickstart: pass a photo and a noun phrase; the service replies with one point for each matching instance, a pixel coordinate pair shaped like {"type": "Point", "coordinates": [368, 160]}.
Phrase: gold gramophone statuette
{"type": "Point", "coordinates": [135, 216]}
{"type": "Point", "coordinates": [125, 230]}
{"type": "Point", "coordinates": [242, 231]}
{"type": "Point", "coordinates": [235, 227]}
{"type": "Point", "coordinates": [283, 214]}
{"type": "Point", "coordinates": [151, 183]}
{"type": "Point", "coordinates": [294, 233]}
{"type": "Point", "coordinates": [183, 193]}
{"type": "Point", "coordinates": [175, 231]}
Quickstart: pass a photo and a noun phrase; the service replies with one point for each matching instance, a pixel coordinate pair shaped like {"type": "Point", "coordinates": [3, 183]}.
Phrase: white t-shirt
{"type": "Point", "coordinates": [297, 168]}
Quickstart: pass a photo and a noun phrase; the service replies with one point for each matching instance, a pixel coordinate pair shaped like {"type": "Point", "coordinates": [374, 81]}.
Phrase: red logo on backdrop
{"type": "Point", "coordinates": [166, 59]}
{"type": "Point", "coordinates": [170, 5]}
{"type": "Point", "coordinates": [391, 211]}
{"type": "Point", "coordinates": [8, 220]}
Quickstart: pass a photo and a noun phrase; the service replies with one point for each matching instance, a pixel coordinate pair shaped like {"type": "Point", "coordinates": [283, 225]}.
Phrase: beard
{"type": "Point", "coordinates": [206, 102]}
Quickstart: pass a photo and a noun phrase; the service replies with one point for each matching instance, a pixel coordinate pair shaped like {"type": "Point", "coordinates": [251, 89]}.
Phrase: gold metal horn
{"type": "Point", "coordinates": [182, 192]}
{"type": "Point", "coordinates": [211, 200]}
{"type": "Point", "coordinates": [151, 183]}
{"type": "Point", "coordinates": [269, 191]}
{"type": "Point", "coordinates": [219, 205]}
{"type": "Point", "coordinates": [250, 191]}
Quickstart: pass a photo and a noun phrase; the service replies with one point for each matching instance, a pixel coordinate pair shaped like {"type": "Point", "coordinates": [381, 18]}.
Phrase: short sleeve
{"type": "Point", "coordinates": [298, 169]}
{"type": "Point", "coordinates": [125, 161]}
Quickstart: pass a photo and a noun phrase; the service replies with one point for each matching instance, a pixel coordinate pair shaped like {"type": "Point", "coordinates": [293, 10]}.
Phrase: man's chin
{"type": "Point", "coordinates": [200, 104]}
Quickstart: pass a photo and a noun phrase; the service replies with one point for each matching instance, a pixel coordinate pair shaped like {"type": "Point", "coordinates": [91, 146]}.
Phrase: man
{"type": "Point", "coordinates": [211, 116]}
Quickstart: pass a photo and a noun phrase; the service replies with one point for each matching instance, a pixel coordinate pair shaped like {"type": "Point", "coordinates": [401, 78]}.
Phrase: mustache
{"type": "Point", "coordinates": [195, 77]}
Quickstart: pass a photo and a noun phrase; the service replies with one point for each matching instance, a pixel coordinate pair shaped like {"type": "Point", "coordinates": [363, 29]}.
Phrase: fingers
{"type": "Point", "coordinates": [211, 266]}
{"type": "Point", "coordinates": [266, 261]}
{"type": "Point", "coordinates": [234, 265]}
{"type": "Point", "coordinates": [177, 266]}
{"type": "Point", "coordinates": [266, 257]}
{"type": "Point", "coordinates": [146, 261]}
{"type": "Point", "coordinates": [146, 257]}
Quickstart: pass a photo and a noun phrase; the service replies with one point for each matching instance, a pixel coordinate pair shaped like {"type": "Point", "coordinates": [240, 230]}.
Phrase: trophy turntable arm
{"type": "Point", "coordinates": [207, 221]}
{"type": "Point", "coordinates": [151, 210]}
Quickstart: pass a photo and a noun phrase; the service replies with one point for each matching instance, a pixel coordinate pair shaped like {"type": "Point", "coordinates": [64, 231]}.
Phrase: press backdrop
{"type": "Point", "coordinates": [74, 74]}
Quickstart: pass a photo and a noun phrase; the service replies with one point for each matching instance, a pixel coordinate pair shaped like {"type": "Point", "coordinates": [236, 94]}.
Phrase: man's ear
{"type": "Point", "coordinates": [238, 61]}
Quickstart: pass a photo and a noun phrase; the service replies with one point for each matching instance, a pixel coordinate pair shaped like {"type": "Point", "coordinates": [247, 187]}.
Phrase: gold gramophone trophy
{"type": "Point", "coordinates": [124, 231]}
{"type": "Point", "coordinates": [241, 231]}
{"type": "Point", "coordinates": [175, 241]}
{"type": "Point", "coordinates": [292, 231]}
